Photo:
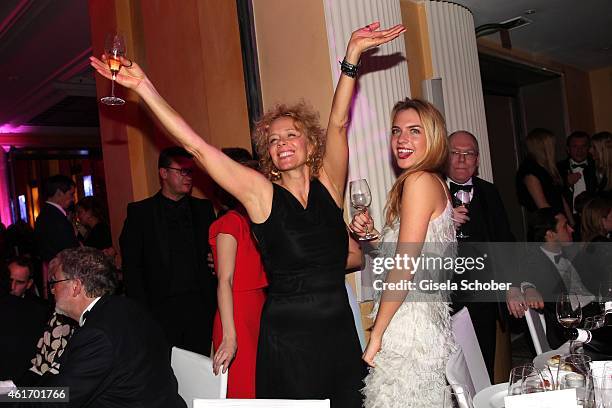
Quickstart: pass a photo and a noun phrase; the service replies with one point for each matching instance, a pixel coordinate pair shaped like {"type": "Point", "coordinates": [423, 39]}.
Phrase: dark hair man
{"type": "Point", "coordinates": [164, 247]}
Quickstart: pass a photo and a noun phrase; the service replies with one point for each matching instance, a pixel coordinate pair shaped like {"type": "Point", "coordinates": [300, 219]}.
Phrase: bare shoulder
{"type": "Point", "coordinates": [422, 180]}
{"type": "Point", "coordinates": [424, 188]}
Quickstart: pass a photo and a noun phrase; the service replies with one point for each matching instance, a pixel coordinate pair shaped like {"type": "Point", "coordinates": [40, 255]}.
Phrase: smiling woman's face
{"type": "Point", "coordinates": [287, 145]}
{"type": "Point", "coordinates": [408, 140]}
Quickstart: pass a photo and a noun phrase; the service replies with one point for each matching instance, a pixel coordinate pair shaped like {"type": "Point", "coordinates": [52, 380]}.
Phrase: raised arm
{"type": "Point", "coordinates": [251, 188]}
{"type": "Point", "coordinates": [335, 161]}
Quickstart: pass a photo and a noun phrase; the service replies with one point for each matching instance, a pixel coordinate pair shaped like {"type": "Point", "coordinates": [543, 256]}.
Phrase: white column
{"type": "Point", "coordinates": [377, 92]}
{"type": "Point", "coordinates": [454, 57]}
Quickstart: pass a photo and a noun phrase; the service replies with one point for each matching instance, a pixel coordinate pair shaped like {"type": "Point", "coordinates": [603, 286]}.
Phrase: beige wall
{"type": "Point", "coordinates": [601, 90]}
{"type": "Point", "coordinates": [418, 52]}
{"type": "Point", "coordinates": [192, 54]}
{"type": "Point", "coordinates": [293, 53]}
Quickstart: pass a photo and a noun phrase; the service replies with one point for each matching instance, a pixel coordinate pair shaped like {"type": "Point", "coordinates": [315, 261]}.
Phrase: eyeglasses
{"type": "Point", "coordinates": [468, 156]}
{"type": "Point", "coordinates": [52, 281]}
{"type": "Point", "coordinates": [183, 172]}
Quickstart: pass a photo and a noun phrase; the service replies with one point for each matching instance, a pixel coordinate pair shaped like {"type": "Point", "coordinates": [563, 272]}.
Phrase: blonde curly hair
{"type": "Point", "coordinates": [306, 120]}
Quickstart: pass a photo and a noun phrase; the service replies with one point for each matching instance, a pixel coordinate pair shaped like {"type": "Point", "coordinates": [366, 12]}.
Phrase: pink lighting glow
{"type": "Point", "coordinates": [8, 128]}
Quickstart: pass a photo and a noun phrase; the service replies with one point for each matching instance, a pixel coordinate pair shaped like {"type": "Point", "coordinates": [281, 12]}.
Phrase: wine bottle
{"type": "Point", "coordinates": [581, 335]}
{"type": "Point", "coordinates": [596, 343]}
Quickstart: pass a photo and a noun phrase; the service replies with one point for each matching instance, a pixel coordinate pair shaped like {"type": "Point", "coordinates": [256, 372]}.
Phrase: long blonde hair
{"type": "Point", "coordinates": [602, 142]}
{"type": "Point", "coordinates": [593, 214]}
{"type": "Point", "coordinates": [541, 147]}
{"type": "Point", "coordinates": [436, 150]}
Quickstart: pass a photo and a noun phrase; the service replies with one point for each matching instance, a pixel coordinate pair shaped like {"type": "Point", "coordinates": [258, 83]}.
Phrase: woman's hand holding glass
{"type": "Point", "coordinates": [130, 76]}
{"type": "Point", "coordinates": [362, 225]}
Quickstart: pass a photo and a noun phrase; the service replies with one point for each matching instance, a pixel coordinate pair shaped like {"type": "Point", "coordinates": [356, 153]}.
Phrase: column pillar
{"type": "Point", "coordinates": [5, 200]}
{"type": "Point", "coordinates": [454, 56]}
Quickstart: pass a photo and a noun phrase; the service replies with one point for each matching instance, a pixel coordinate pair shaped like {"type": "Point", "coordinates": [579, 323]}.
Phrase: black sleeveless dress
{"type": "Point", "coordinates": [308, 345]}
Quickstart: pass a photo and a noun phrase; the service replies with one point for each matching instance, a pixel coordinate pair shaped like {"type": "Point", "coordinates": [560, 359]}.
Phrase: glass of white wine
{"type": "Point", "coordinates": [569, 312]}
{"type": "Point", "coordinates": [361, 199]}
{"type": "Point", "coordinates": [114, 49]}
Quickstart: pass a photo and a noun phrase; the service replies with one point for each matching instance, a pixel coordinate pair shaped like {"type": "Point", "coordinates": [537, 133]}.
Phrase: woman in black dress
{"type": "Point", "coordinates": [308, 346]}
{"type": "Point", "coordinates": [538, 183]}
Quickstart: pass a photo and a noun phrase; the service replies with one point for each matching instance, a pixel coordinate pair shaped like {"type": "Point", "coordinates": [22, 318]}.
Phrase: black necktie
{"type": "Point", "coordinates": [576, 165]}
{"type": "Point", "coordinates": [558, 258]}
{"type": "Point", "coordinates": [454, 187]}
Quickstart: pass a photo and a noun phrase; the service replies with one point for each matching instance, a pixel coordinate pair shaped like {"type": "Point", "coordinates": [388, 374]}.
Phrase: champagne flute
{"type": "Point", "coordinates": [569, 312]}
{"type": "Point", "coordinates": [462, 199]}
{"type": "Point", "coordinates": [114, 49]}
{"type": "Point", "coordinates": [361, 199]}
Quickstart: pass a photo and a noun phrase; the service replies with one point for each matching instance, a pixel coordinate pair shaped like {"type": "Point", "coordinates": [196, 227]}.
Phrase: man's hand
{"type": "Point", "coordinates": [460, 216]}
{"type": "Point", "coordinates": [516, 302]}
{"type": "Point", "coordinates": [572, 178]}
{"type": "Point", "coordinates": [533, 299]}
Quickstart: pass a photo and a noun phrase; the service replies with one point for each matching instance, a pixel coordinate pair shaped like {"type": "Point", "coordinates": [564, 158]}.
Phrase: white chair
{"type": "Point", "coordinates": [466, 338]}
{"type": "Point", "coordinates": [537, 330]}
{"type": "Point", "coordinates": [457, 371]}
{"type": "Point", "coordinates": [195, 376]}
{"type": "Point", "coordinates": [259, 403]}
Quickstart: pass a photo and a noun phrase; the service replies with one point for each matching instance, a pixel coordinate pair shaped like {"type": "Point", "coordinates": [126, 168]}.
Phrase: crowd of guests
{"type": "Point", "coordinates": [262, 278]}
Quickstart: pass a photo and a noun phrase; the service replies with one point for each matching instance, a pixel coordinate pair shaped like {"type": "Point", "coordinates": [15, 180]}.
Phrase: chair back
{"type": "Point", "coordinates": [195, 376]}
{"type": "Point", "coordinates": [537, 330]}
{"type": "Point", "coordinates": [259, 403]}
{"type": "Point", "coordinates": [465, 336]}
{"type": "Point", "coordinates": [457, 371]}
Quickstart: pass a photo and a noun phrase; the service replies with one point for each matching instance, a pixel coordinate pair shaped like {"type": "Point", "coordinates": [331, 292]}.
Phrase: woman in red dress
{"type": "Point", "coordinates": [240, 296]}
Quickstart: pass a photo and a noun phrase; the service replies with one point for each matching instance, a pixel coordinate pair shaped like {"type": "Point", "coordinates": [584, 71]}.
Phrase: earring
{"type": "Point", "coordinates": [275, 173]}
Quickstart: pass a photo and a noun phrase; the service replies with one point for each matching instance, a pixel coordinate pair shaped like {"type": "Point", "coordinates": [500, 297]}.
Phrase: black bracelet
{"type": "Point", "coordinates": [349, 69]}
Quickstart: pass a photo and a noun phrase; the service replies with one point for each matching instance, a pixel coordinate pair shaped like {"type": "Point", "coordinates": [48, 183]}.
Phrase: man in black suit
{"type": "Point", "coordinates": [53, 230]}
{"type": "Point", "coordinates": [164, 247]}
{"type": "Point", "coordinates": [23, 322]}
{"type": "Point", "coordinates": [546, 272]}
{"type": "Point", "coordinates": [578, 170]}
{"type": "Point", "coordinates": [485, 221]}
{"type": "Point", "coordinates": [117, 357]}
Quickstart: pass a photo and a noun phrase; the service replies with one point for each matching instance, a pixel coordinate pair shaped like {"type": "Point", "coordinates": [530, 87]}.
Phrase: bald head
{"type": "Point", "coordinates": [464, 156]}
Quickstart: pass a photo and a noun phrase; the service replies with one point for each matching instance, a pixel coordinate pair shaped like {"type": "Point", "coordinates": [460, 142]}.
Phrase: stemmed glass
{"type": "Point", "coordinates": [114, 49]}
{"type": "Point", "coordinates": [525, 379]}
{"type": "Point", "coordinates": [462, 199]}
{"type": "Point", "coordinates": [569, 312]}
{"type": "Point", "coordinates": [457, 396]}
{"type": "Point", "coordinates": [361, 199]}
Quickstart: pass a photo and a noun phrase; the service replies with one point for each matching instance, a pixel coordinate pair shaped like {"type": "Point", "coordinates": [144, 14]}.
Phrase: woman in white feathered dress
{"type": "Point", "coordinates": [411, 339]}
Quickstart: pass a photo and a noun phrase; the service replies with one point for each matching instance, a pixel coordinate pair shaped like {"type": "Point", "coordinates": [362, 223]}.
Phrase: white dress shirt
{"type": "Point", "coordinates": [87, 309]}
{"type": "Point", "coordinates": [580, 185]}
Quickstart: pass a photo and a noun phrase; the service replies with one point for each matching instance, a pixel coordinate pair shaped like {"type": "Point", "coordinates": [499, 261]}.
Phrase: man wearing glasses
{"type": "Point", "coordinates": [117, 356]}
{"type": "Point", "coordinates": [164, 246]}
{"type": "Point", "coordinates": [485, 221]}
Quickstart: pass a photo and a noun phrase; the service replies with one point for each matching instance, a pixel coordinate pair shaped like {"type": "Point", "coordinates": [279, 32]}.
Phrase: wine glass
{"type": "Point", "coordinates": [457, 396]}
{"type": "Point", "coordinates": [462, 199]}
{"type": "Point", "coordinates": [361, 199]}
{"type": "Point", "coordinates": [114, 49]}
{"type": "Point", "coordinates": [517, 377]}
{"type": "Point", "coordinates": [569, 312]}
